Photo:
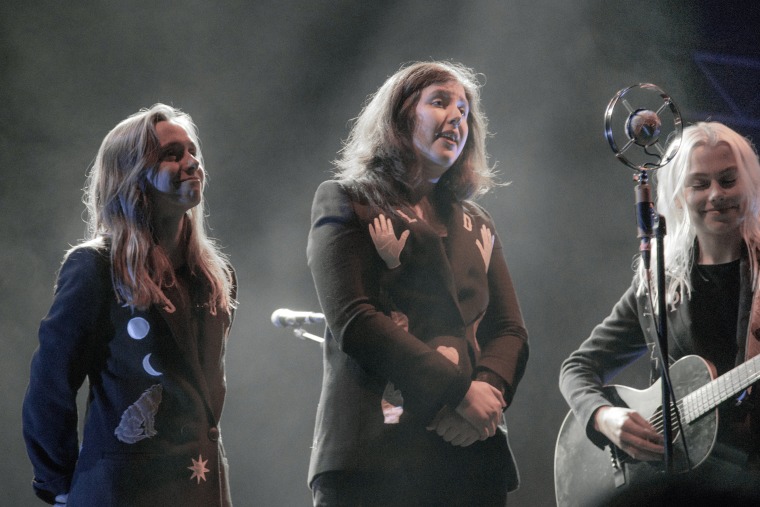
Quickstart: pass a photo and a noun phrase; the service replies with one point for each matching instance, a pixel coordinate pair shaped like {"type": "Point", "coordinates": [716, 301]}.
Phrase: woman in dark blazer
{"type": "Point", "coordinates": [425, 343]}
{"type": "Point", "coordinates": [142, 310]}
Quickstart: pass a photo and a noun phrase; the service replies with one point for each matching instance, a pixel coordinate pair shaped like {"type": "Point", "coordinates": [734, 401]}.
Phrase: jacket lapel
{"type": "Point", "coordinates": [186, 338]}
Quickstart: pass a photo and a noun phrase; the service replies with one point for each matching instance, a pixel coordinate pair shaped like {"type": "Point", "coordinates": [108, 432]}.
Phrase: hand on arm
{"type": "Point", "coordinates": [482, 407]}
{"type": "Point", "coordinates": [453, 428]}
{"type": "Point", "coordinates": [629, 431]}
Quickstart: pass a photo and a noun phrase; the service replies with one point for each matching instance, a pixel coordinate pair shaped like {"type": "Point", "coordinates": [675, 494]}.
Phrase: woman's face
{"type": "Point", "coordinates": [177, 181]}
{"type": "Point", "coordinates": [714, 191]}
{"type": "Point", "coordinates": [440, 131]}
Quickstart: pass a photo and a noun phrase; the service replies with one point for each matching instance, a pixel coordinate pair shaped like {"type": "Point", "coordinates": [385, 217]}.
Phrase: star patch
{"type": "Point", "coordinates": [199, 469]}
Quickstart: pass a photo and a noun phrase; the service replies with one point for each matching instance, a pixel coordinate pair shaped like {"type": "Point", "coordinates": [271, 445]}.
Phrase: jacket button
{"type": "Point", "coordinates": [213, 434]}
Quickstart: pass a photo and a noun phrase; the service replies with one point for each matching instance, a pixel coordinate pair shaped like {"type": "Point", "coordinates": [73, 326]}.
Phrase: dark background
{"type": "Point", "coordinates": [272, 85]}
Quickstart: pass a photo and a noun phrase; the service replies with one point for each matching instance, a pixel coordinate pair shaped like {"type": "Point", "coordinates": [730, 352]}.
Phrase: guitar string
{"type": "Point", "coordinates": [701, 399]}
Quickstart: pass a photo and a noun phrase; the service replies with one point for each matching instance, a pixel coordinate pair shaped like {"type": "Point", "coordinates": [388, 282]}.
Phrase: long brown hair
{"type": "Point", "coordinates": [377, 160]}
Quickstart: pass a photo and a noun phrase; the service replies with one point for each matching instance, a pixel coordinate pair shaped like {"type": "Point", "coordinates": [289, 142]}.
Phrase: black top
{"type": "Point", "coordinates": [715, 308]}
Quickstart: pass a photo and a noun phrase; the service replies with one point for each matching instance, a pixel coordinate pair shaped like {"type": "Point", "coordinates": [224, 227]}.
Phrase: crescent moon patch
{"type": "Point", "coordinates": [148, 368]}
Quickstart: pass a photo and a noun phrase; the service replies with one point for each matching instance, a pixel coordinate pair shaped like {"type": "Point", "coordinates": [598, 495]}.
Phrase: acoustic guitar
{"type": "Point", "coordinates": [584, 473]}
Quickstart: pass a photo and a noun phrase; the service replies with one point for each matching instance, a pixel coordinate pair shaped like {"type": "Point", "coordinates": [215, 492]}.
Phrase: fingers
{"type": "Point", "coordinates": [402, 239]}
{"type": "Point", "coordinates": [453, 429]}
{"type": "Point", "coordinates": [465, 439]}
{"type": "Point", "coordinates": [644, 429]}
{"type": "Point", "coordinates": [631, 432]}
{"type": "Point", "coordinates": [642, 449]}
{"type": "Point", "coordinates": [640, 439]}
{"type": "Point", "coordinates": [482, 407]}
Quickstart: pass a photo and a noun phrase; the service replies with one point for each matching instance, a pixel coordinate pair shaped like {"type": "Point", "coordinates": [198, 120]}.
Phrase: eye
{"type": "Point", "coordinates": [728, 182]}
{"type": "Point", "coordinates": [171, 155]}
{"type": "Point", "coordinates": [699, 184]}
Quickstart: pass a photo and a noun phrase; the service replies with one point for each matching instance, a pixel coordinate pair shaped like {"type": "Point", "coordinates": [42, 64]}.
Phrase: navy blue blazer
{"type": "Point", "coordinates": [155, 396]}
{"type": "Point", "coordinates": [403, 343]}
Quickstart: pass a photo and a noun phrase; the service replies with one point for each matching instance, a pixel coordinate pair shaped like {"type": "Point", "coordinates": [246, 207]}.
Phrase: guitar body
{"type": "Point", "coordinates": [584, 474]}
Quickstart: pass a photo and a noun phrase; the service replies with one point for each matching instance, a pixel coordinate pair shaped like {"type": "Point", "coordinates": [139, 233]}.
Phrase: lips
{"type": "Point", "coordinates": [722, 209]}
{"type": "Point", "coordinates": [449, 135]}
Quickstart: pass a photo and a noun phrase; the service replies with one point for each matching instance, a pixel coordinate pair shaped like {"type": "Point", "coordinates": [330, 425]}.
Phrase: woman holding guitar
{"type": "Point", "coordinates": [709, 195]}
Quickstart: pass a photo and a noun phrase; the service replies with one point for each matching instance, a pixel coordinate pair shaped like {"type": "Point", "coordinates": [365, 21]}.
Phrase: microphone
{"type": "Point", "coordinates": [643, 127]}
{"type": "Point", "coordinates": [283, 317]}
{"type": "Point", "coordinates": [651, 131]}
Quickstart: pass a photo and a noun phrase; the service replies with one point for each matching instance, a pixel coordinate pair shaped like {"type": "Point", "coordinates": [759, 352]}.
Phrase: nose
{"type": "Point", "coordinates": [192, 164]}
{"type": "Point", "coordinates": [717, 192]}
{"type": "Point", "coordinates": [456, 120]}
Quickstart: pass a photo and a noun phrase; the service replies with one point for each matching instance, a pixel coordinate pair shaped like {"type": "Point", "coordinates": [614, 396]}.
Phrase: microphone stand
{"type": "Point", "coordinates": [662, 335]}
{"type": "Point", "coordinates": [645, 216]}
{"type": "Point", "coordinates": [299, 332]}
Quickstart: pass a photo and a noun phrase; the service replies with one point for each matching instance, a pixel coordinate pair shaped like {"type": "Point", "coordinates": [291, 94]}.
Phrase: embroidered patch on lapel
{"type": "Point", "coordinates": [486, 246]}
{"type": "Point", "coordinates": [467, 222]}
{"type": "Point", "coordinates": [406, 217]}
{"type": "Point", "coordinates": [384, 237]}
{"type": "Point", "coordinates": [138, 420]}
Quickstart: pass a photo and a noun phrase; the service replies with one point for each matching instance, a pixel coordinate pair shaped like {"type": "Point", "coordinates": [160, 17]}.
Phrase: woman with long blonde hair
{"type": "Point", "coordinates": [142, 309]}
{"type": "Point", "coordinates": [709, 195]}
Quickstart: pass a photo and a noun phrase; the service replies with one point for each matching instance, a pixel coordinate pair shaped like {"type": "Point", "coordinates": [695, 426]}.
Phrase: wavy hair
{"type": "Point", "coordinates": [120, 210]}
{"type": "Point", "coordinates": [378, 160]}
{"type": "Point", "coordinates": [680, 243]}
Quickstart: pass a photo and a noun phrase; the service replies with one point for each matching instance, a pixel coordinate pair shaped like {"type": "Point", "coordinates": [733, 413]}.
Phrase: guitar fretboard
{"type": "Point", "coordinates": [712, 394]}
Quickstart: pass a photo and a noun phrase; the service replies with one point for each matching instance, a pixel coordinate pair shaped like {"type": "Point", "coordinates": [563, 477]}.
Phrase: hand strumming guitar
{"type": "Point", "coordinates": [629, 431]}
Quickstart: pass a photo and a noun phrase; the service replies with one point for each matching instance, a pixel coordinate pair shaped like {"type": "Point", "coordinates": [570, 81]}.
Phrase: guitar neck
{"type": "Point", "coordinates": [712, 394]}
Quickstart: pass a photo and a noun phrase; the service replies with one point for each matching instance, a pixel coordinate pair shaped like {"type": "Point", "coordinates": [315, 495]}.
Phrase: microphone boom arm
{"type": "Point", "coordinates": [299, 332]}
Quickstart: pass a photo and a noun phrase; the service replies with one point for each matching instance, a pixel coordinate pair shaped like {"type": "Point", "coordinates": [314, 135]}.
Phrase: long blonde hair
{"type": "Point", "coordinates": [119, 215]}
{"type": "Point", "coordinates": [377, 160]}
{"type": "Point", "coordinates": [681, 235]}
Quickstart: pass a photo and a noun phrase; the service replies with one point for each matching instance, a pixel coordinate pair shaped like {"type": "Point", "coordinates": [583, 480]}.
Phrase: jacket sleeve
{"type": "Point", "coordinates": [58, 369]}
{"type": "Point", "coordinates": [613, 345]}
{"type": "Point", "coordinates": [347, 275]}
{"type": "Point", "coordinates": [502, 334]}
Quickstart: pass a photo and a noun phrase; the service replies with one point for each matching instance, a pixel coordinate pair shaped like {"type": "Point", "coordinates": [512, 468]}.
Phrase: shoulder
{"type": "Point", "coordinates": [332, 201]}
{"type": "Point", "coordinates": [87, 264]}
{"type": "Point", "coordinates": [331, 190]}
{"type": "Point", "coordinates": [87, 258]}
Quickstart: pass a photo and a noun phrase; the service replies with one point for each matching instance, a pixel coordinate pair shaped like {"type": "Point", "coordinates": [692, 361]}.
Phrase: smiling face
{"type": "Point", "coordinates": [176, 183]}
{"type": "Point", "coordinates": [440, 131]}
{"type": "Point", "coordinates": [714, 193]}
